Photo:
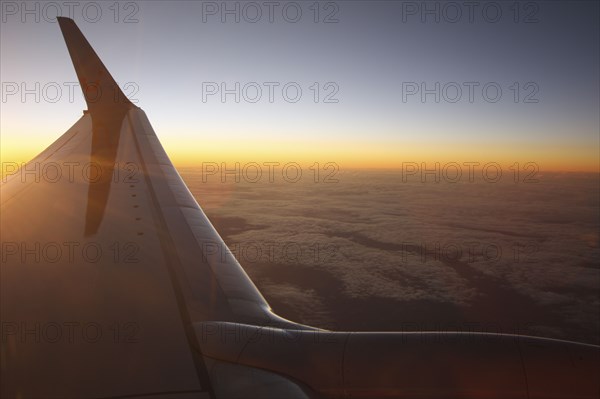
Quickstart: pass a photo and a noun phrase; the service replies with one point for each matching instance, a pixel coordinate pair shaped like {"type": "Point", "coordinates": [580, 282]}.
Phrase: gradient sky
{"type": "Point", "coordinates": [373, 49]}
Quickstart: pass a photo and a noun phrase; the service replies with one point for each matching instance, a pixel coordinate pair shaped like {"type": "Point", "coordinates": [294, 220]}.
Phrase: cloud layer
{"type": "Point", "coordinates": [374, 252]}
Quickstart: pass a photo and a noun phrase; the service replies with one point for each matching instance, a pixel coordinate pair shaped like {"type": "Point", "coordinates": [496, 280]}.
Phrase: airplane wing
{"type": "Point", "coordinates": [99, 231]}
{"type": "Point", "coordinates": [114, 284]}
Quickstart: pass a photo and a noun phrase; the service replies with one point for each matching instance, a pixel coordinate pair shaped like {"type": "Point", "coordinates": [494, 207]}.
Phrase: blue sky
{"type": "Point", "coordinates": [364, 57]}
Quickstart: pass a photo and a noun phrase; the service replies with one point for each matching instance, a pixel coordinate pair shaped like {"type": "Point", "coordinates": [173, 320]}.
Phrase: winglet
{"type": "Point", "coordinates": [108, 107]}
{"type": "Point", "coordinates": [100, 90]}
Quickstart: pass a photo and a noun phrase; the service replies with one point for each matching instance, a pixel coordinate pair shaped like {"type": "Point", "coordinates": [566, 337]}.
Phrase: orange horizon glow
{"type": "Point", "coordinates": [351, 156]}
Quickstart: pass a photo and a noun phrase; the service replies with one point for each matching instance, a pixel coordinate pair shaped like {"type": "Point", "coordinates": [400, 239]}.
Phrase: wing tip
{"type": "Point", "coordinates": [63, 21]}
{"type": "Point", "coordinates": [91, 71]}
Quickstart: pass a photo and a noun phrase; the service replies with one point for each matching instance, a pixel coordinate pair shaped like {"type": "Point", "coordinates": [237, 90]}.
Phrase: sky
{"type": "Point", "coordinates": [370, 84]}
